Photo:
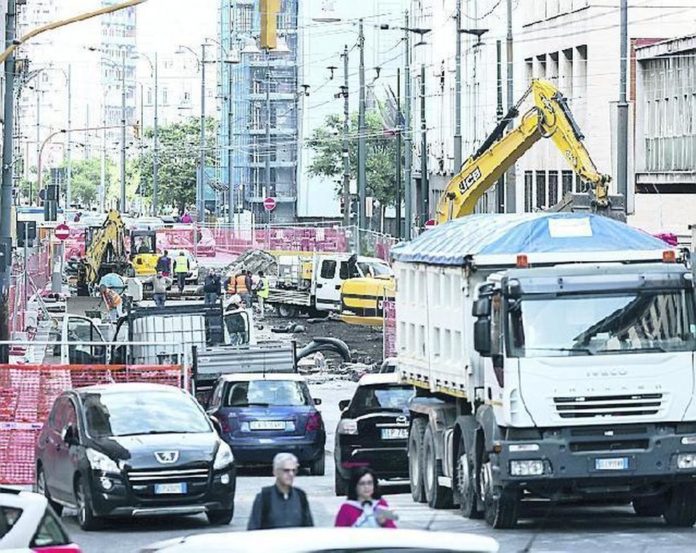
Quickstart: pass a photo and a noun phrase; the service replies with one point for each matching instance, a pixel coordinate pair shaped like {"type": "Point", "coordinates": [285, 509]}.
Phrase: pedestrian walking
{"type": "Point", "coordinates": [249, 284]}
{"type": "Point", "coordinates": [164, 264]}
{"type": "Point", "coordinates": [281, 505]}
{"type": "Point", "coordinates": [262, 293]}
{"type": "Point", "coordinates": [82, 286]}
{"type": "Point", "coordinates": [113, 302]}
{"type": "Point", "coordinates": [211, 287]}
{"type": "Point", "coordinates": [365, 507]}
{"type": "Point", "coordinates": [160, 283]}
{"type": "Point", "coordinates": [181, 269]}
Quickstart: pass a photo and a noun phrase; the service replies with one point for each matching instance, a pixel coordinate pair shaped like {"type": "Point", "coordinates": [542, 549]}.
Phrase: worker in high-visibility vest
{"type": "Point", "coordinates": [241, 286]}
{"type": "Point", "coordinates": [113, 301]}
{"type": "Point", "coordinates": [262, 292]}
{"type": "Point", "coordinates": [181, 269]}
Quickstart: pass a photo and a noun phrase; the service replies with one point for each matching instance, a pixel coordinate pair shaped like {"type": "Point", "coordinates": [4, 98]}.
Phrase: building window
{"type": "Point", "coordinates": [243, 23]}
{"type": "Point", "coordinates": [567, 181]}
{"type": "Point", "coordinates": [553, 188]}
{"type": "Point", "coordinates": [148, 101]}
{"type": "Point", "coordinates": [165, 96]}
{"type": "Point", "coordinates": [540, 188]}
{"type": "Point", "coordinates": [528, 186]}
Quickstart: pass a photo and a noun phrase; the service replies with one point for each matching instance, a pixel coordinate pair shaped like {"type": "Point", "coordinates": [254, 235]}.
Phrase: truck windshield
{"type": "Point", "coordinates": [601, 324]}
{"type": "Point", "coordinates": [373, 269]}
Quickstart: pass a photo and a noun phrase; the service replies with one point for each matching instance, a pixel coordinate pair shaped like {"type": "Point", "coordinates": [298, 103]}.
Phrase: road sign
{"type": "Point", "coordinates": [62, 231]}
{"type": "Point", "coordinates": [269, 204]}
{"type": "Point", "coordinates": [430, 223]}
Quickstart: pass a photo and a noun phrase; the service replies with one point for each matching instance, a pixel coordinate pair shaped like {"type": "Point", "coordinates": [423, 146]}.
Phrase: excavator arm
{"type": "Point", "coordinates": [107, 250]}
{"type": "Point", "coordinates": [550, 117]}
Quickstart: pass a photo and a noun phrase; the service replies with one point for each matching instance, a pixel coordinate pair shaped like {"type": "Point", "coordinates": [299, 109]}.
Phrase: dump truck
{"type": "Point", "coordinates": [553, 357]}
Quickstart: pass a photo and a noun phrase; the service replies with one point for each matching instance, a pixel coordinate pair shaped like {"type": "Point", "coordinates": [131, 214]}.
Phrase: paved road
{"type": "Point", "coordinates": [563, 529]}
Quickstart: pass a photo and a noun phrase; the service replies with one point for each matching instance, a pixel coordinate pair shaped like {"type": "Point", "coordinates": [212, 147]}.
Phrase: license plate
{"type": "Point", "coordinates": [170, 489]}
{"type": "Point", "coordinates": [394, 433]}
{"type": "Point", "coordinates": [267, 425]}
{"type": "Point", "coordinates": [618, 463]}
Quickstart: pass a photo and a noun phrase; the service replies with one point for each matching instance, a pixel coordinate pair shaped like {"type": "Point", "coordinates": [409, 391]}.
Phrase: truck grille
{"type": "Point", "coordinates": [588, 407]}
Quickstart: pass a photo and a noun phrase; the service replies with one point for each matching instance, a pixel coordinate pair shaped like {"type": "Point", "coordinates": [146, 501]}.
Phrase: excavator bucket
{"type": "Point", "coordinates": [612, 207]}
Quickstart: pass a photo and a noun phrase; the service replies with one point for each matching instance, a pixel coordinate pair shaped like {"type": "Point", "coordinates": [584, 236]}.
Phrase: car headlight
{"type": "Point", "coordinates": [99, 461]}
{"type": "Point", "coordinates": [223, 457]}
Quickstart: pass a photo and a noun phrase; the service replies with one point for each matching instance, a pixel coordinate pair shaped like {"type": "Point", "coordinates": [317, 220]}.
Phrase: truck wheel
{"type": "Point", "coordinates": [467, 485]}
{"type": "Point", "coordinates": [500, 504]}
{"type": "Point", "coordinates": [437, 496]}
{"type": "Point", "coordinates": [287, 311]}
{"type": "Point", "coordinates": [652, 506]}
{"type": "Point", "coordinates": [415, 472]}
{"type": "Point", "coordinates": [340, 485]}
{"type": "Point", "coordinates": [680, 507]}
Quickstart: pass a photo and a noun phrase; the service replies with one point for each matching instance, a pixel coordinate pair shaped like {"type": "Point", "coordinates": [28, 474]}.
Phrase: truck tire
{"type": "Point", "coordinates": [415, 472]}
{"type": "Point", "coordinates": [680, 507]}
{"type": "Point", "coordinates": [437, 496]}
{"type": "Point", "coordinates": [287, 311]}
{"type": "Point", "coordinates": [500, 505]}
{"type": "Point", "coordinates": [652, 506]}
{"type": "Point", "coordinates": [467, 483]}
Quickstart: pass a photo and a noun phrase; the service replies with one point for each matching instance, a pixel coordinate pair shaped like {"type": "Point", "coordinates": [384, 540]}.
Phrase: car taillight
{"type": "Point", "coordinates": [313, 422]}
{"type": "Point", "coordinates": [225, 425]}
{"type": "Point", "coordinates": [70, 548]}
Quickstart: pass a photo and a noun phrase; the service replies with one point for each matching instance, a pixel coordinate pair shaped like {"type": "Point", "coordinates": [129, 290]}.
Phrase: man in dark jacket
{"type": "Point", "coordinates": [281, 505]}
{"type": "Point", "coordinates": [211, 287]}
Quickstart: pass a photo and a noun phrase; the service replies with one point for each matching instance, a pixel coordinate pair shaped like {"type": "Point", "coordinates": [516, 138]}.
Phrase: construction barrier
{"type": "Point", "coordinates": [25, 280]}
{"type": "Point", "coordinates": [27, 393]}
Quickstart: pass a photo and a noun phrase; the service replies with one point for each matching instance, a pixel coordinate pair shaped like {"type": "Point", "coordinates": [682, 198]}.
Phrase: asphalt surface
{"type": "Point", "coordinates": [594, 528]}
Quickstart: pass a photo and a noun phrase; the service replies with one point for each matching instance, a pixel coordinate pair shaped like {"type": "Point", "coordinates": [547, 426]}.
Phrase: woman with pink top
{"type": "Point", "coordinates": [365, 507]}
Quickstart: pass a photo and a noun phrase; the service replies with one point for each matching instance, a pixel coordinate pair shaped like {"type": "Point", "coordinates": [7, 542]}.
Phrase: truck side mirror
{"type": "Point", "coordinates": [343, 404]}
{"type": "Point", "coordinates": [481, 307]}
{"type": "Point", "coordinates": [482, 336]}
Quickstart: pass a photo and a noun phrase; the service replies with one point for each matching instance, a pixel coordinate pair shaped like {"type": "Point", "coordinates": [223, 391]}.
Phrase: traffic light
{"type": "Point", "coordinates": [26, 233]}
{"type": "Point", "coordinates": [136, 130]}
{"type": "Point", "coordinates": [51, 203]}
{"type": "Point", "coordinates": [269, 23]}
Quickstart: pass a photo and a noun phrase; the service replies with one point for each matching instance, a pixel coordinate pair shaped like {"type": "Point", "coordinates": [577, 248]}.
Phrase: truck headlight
{"type": "Point", "coordinates": [686, 461]}
{"type": "Point", "coordinates": [223, 457]}
{"type": "Point", "coordinates": [101, 462]}
{"type": "Point", "coordinates": [516, 448]}
{"type": "Point", "coordinates": [534, 467]}
{"type": "Point", "coordinates": [347, 426]}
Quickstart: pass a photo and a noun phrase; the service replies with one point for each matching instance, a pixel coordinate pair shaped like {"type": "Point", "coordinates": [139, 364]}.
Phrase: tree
{"type": "Point", "coordinates": [327, 145]}
{"type": "Point", "coordinates": [178, 154]}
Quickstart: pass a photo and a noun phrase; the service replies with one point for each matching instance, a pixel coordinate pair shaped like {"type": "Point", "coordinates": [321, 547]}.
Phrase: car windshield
{"type": "Point", "coordinates": [129, 414]}
{"type": "Point", "coordinates": [601, 324]}
{"type": "Point", "coordinates": [267, 393]}
{"type": "Point", "coordinates": [369, 398]}
{"type": "Point", "coordinates": [374, 269]}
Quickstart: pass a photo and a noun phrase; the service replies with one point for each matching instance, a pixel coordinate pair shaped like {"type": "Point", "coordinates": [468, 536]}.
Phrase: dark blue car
{"type": "Point", "coordinates": [264, 414]}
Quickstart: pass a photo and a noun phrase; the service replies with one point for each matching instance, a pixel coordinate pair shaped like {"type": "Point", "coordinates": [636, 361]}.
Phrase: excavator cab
{"type": "Point", "coordinates": [143, 252]}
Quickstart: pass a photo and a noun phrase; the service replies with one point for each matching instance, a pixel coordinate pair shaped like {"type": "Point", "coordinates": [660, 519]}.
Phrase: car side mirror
{"type": "Point", "coordinates": [70, 436]}
{"type": "Point", "coordinates": [317, 401]}
{"type": "Point", "coordinates": [216, 424]}
{"type": "Point", "coordinates": [343, 404]}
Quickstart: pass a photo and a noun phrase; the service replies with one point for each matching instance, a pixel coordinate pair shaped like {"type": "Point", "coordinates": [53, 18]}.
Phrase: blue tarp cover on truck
{"type": "Point", "coordinates": [529, 233]}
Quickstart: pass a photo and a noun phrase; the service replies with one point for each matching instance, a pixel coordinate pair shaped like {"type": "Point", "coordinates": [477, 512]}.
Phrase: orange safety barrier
{"type": "Point", "coordinates": [27, 393]}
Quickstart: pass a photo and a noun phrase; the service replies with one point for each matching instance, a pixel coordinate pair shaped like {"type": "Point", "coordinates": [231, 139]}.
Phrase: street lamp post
{"type": "Point", "coordinates": [122, 201]}
{"type": "Point", "coordinates": [200, 200]}
{"type": "Point", "coordinates": [155, 133]}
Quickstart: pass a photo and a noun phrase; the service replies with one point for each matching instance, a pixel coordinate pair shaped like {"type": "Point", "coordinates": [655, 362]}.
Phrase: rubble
{"type": "Point", "coordinates": [254, 261]}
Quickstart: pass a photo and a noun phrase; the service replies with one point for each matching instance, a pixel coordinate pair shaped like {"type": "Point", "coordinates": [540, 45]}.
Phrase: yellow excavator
{"type": "Point", "coordinates": [549, 117]}
{"type": "Point", "coordinates": [105, 249]}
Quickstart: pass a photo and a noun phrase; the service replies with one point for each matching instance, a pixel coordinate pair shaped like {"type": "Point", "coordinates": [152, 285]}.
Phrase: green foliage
{"type": "Point", "coordinates": [178, 155]}
{"type": "Point", "coordinates": [327, 145]}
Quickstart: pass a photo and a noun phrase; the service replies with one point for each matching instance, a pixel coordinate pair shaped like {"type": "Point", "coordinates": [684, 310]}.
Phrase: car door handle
{"type": "Point", "coordinates": [338, 287]}
{"type": "Point", "coordinates": [319, 285]}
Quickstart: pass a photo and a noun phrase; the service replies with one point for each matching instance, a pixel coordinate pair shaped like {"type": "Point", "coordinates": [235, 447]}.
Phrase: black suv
{"type": "Point", "coordinates": [134, 450]}
{"type": "Point", "coordinates": [373, 429]}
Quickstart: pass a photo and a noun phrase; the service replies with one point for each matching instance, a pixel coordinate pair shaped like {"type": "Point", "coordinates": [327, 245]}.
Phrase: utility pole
{"type": "Point", "coordinates": [362, 173]}
{"type": "Point", "coordinates": [38, 141]}
{"type": "Point", "coordinates": [622, 111]}
{"type": "Point", "coordinates": [68, 179]}
{"type": "Point", "coordinates": [155, 145]}
{"type": "Point", "coordinates": [398, 154]}
{"type": "Point", "coordinates": [141, 146]}
{"type": "Point", "coordinates": [122, 200]}
{"type": "Point", "coordinates": [408, 148]}
{"type": "Point", "coordinates": [424, 153]}
{"type": "Point", "coordinates": [510, 177]}
{"type": "Point", "coordinates": [500, 187]}
{"type": "Point", "coordinates": [267, 159]}
{"type": "Point", "coordinates": [232, 192]}
{"type": "Point", "coordinates": [200, 201]}
{"type": "Point", "coordinates": [346, 144]}
{"type": "Point", "coordinates": [458, 90]}
{"type": "Point", "coordinates": [6, 189]}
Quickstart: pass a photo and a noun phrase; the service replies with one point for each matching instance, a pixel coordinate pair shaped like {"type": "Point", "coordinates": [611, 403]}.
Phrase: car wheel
{"type": "Point", "coordinates": [467, 486]}
{"type": "Point", "coordinates": [340, 484]}
{"type": "Point", "coordinates": [437, 496]}
{"type": "Point", "coordinates": [680, 507]}
{"type": "Point", "coordinates": [85, 511]}
{"type": "Point", "coordinates": [501, 505]}
{"type": "Point", "coordinates": [415, 471]}
{"type": "Point", "coordinates": [318, 467]}
{"type": "Point", "coordinates": [220, 518]}
{"type": "Point", "coordinates": [42, 488]}
{"type": "Point", "coordinates": [652, 506]}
